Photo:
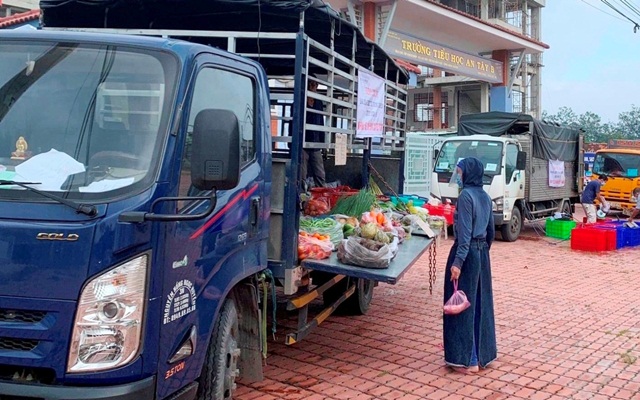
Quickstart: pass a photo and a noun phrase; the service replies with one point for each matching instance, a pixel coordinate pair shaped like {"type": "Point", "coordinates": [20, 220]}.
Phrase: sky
{"type": "Point", "coordinates": [593, 60]}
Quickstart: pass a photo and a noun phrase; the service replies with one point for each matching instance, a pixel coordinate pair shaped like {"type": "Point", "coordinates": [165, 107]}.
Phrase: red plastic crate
{"type": "Point", "coordinates": [441, 211]}
{"type": "Point", "coordinates": [332, 195]}
{"type": "Point", "coordinates": [592, 239]}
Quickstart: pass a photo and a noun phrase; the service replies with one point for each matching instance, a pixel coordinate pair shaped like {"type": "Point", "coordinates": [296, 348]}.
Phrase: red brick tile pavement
{"type": "Point", "coordinates": [568, 326]}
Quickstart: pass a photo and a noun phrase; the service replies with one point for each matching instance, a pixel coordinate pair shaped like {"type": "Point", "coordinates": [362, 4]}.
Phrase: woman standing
{"type": "Point", "coordinates": [470, 337]}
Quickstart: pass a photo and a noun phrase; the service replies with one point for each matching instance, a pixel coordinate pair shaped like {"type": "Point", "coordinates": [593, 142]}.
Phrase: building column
{"type": "Point", "coordinates": [484, 9]}
{"type": "Point", "coordinates": [485, 88]}
{"type": "Point", "coordinates": [369, 21]}
{"type": "Point", "coordinates": [437, 107]}
{"type": "Point", "coordinates": [500, 99]}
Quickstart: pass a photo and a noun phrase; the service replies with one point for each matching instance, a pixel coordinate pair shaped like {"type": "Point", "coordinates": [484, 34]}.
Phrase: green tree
{"type": "Point", "coordinates": [564, 116]}
{"type": "Point", "coordinates": [629, 123]}
{"type": "Point", "coordinates": [595, 131]}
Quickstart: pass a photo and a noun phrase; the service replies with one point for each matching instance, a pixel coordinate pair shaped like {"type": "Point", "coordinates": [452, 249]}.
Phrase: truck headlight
{"type": "Point", "coordinates": [108, 325]}
{"type": "Point", "coordinates": [498, 204]}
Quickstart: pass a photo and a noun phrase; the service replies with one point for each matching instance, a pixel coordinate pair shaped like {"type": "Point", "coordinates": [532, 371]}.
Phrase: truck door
{"type": "Point", "coordinates": [514, 179]}
{"type": "Point", "coordinates": [204, 258]}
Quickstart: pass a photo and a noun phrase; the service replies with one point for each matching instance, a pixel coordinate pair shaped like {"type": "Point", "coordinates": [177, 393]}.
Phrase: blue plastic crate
{"type": "Point", "coordinates": [626, 237]}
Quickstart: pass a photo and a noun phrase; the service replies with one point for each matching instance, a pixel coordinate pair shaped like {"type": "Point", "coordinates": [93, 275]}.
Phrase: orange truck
{"type": "Point", "coordinates": [620, 161]}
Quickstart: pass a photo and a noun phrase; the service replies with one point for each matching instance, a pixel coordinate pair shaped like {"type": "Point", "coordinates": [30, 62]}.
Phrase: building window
{"type": "Point", "coordinates": [423, 103]}
{"type": "Point", "coordinates": [425, 110]}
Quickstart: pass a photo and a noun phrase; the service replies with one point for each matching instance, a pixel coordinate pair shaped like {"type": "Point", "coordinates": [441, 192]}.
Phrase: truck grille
{"type": "Point", "coordinates": [14, 374]}
{"type": "Point", "coordinates": [17, 344]}
{"type": "Point", "coordinates": [29, 317]}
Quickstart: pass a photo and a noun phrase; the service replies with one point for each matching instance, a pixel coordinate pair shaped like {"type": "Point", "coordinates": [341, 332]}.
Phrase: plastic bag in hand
{"type": "Point", "coordinates": [457, 303]}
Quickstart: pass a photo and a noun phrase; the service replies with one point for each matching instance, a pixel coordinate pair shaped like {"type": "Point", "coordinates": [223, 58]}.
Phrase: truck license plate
{"type": "Point", "coordinates": [616, 205]}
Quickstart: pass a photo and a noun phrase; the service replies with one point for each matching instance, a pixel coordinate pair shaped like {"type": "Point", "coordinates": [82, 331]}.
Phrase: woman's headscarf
{"type": "Point", "coordinates": [472, 172]}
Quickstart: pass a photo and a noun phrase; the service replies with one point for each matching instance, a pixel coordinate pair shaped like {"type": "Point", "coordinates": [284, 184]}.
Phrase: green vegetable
{"type": "Point", "coordinates": [369, 230]}
{"type": "Point", "coordinates": [382, 237]}
{"type": "Point", "coordinates": [355, 205]}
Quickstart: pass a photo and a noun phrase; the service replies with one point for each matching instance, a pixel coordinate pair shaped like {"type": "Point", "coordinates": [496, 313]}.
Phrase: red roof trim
{"type": "Point", "coordinates": [408, 66]}
{"type": "Point", "coordinates": [19, 18]}
{"type": "Point", "coordinates": [502, 28]}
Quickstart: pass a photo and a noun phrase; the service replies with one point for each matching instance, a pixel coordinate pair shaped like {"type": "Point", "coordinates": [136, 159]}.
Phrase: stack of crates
{"type": "Point", "coordinates": [627, 237]}
{"type": "Point", "coordinates": [590, 238]}
{"type": "Point", "coordinates": [602, 236]}
{"type": "Point", "coordinates": [559, 229]}
{"type": "Point", "coordinates": [619, 232]}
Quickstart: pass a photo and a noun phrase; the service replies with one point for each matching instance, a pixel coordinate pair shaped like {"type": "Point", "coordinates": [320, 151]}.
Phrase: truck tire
{"type": "Point", "coordinates": [217, 381]}
{"type": "Point", "coordinates": [511, 230]}
{"type": "Point", "coordinates": [360, 300]}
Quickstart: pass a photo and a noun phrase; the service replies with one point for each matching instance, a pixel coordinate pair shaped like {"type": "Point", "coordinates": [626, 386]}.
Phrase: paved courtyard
{"type": "Point", "coordinates": [568, 326]}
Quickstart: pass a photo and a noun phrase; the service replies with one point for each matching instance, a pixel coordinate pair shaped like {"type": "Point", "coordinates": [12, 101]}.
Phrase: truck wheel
{"type": "Point", "coordinates": [511, 230]}
{"type": "Point", "coordinates": [358, 303]}
{"type": "Point", "coordinates": [220, 369]}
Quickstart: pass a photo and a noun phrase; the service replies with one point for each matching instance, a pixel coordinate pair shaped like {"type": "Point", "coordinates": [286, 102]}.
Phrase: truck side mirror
{"type": "Point", "coordinates": [215, 157]}
{"type": "Point", "coordinates": [435, 154]}
{"type": "Point", "coordinates": [521, 162]}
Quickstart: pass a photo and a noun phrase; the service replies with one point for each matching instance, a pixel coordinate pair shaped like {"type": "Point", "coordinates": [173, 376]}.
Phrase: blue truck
{"type": "Point", "coordinates": [147, 207]}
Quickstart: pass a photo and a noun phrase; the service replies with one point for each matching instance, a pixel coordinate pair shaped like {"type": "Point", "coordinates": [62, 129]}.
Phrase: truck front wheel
{"type": "Point", "coordinates": [220, 369]}
{"type": "Point", "coordinates": [511, 230]}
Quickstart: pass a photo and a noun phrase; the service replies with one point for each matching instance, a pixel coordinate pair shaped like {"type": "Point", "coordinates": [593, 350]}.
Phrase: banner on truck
{"type": "Point", "coordinates": [371, 102]}
{"type": "Point", "coordinates": [556, 173]}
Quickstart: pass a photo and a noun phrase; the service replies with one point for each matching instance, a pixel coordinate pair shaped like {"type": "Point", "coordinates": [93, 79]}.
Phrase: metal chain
{"type": "Point", "coordinates": [432, 266]}
{"type": "Point", "coordinates": [386, 185]}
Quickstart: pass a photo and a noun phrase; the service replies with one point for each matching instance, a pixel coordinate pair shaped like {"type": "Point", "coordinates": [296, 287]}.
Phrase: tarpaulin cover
{"type": "Point", "coordinates": [550, 142]}
{"type": "Point", "coordinates": [226, 15]}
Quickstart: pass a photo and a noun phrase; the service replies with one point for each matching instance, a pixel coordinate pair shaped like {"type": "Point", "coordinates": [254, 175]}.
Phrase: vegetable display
{"type": "Point", "coordinates": [364, 226]}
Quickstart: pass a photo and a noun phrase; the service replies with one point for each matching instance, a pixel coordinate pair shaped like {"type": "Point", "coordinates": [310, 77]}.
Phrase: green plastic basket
{"type": "Point", "coordinates": [559, 229]}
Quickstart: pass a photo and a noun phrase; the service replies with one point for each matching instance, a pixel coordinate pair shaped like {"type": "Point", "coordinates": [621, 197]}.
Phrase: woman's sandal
{"type": "Point", "coordinates": [467, 370]}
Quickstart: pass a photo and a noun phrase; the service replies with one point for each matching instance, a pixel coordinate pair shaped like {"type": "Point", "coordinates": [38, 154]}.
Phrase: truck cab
{"type": "Point", "coordinates": [621, 165]}
{"type": "Point", "coordinates": [104, 138]}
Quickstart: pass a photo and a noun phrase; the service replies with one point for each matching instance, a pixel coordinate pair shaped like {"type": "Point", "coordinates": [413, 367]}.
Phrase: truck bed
{"type": "Point", "coordinates": [410, 251]}
{"type": "Point", "coordinates": [537, 176]}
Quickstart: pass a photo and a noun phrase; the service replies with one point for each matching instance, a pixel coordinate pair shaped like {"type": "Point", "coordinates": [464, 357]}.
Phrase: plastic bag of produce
{"type": "Point", "coordinates": [317, 206]}
{"type": "Point", "coordinates": [314, 246]}
{"type": "Point", "coordinates": [324, 226]}
{"type": "Point", "coordinates": [457, 303]}
{"type": "Point", "coordinates": [367, 253]}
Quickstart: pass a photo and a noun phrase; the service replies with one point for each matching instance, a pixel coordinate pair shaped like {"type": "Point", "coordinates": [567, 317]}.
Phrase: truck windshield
{"type": "Point", "coordinates": [489, 152]}
{"type": "Point", "coordinates": [85, 120]}
{"type": "Point", "coordinates": [617, 164]}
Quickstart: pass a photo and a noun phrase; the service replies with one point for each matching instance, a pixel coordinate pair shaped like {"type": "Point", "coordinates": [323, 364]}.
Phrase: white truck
{"type": "Point", "coordinates": [532, 168]}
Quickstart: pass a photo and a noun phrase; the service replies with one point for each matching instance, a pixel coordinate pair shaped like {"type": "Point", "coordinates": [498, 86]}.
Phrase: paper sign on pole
{"type": "Point", "coordinates": [556, 173]}
{"type": "Point", "coordinates": [371, 103]}
{"type": "Point", "coordinates": [341, 149]}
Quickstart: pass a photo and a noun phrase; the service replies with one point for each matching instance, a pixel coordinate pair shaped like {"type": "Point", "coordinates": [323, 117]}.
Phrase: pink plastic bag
{"type": "Point", "coordinates": [457, 303]}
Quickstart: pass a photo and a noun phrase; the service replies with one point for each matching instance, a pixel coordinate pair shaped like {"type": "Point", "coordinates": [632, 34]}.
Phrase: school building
{"type": "Point", "coordinates": [464, 56]}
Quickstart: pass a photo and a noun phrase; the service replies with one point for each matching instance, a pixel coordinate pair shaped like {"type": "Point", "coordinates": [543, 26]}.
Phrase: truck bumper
{"type": "Point", "coordinates": [140, 390]}
{"type": "Point", "coordinates": [498, 219]}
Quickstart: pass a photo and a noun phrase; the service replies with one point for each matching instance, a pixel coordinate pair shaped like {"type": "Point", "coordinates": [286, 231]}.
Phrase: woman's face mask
{"type": "Point", "coordinates": [456, 178]}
